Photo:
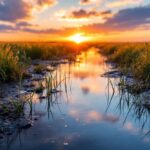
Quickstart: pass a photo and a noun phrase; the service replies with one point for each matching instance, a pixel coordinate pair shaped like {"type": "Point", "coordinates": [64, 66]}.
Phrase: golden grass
{"type": "Point", "coordinates": [15, 57]}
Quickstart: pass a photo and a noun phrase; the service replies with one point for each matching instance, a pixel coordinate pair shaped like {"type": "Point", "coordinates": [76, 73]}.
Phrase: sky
{"type": "Point", "coordinates": [48, 20]}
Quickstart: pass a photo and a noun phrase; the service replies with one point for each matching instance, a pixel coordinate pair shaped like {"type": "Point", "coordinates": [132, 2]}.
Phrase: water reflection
{"type": "Point", "coordinates": [135, 115]}
{"type": "Point", "coordinates": [89, 65]}
{"type": "Point", "coordinates": [85, 108]}
{"type": "Point", "coordinates": [92, 116]}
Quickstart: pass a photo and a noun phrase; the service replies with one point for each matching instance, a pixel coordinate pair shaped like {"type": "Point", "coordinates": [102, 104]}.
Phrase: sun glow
{"type": "Point", "coordinates": [78, 38]}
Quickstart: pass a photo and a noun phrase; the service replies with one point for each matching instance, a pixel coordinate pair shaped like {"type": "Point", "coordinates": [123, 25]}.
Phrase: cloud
{"type": "Point", "coordinates": [89, 2]}
{"type": "Point", "coordinates": [46, 2]}
{"type": "Point", "coordinates": [121, 3]}
{"type": "Point", "coordinates": [82, 13]}
{"type": "Point", "coordinates": [27, 27]}
{"type": "Point", "coordinates": [125, 19]}
{"type": "Point", "coordinates": [12, 10]}
{"type": "Point", "coordinates": [6, 27]}
{"type": "Point", "coordinates": [42, 31]}
{"type": "Point", "coordinates": [24, 24]}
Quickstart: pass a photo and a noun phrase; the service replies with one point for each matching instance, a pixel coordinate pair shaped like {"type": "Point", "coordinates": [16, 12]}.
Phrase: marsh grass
{"type": "Point", "coordinates": [50, 51]}
{"type": "Point", "coordinates": [52, 83]}
{"type": "Point", "coordinates": [131, 59]}
{"type": "Point", "coordinates": [12, 63]}
{"type": "Point", "coordinates": [15, 57]}
{"type": "Point", "coordinates": [15, 107]}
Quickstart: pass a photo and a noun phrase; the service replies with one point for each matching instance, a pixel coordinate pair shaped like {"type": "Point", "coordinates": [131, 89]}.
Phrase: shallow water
{"type": "Point", "coordinates": [89, 114]}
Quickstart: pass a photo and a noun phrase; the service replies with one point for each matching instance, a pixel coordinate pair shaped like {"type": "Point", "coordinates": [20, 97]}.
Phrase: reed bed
{"type": "Point", "coordinates": [15, 57]}
{"type": "Point", "coordinates": [131, 58]}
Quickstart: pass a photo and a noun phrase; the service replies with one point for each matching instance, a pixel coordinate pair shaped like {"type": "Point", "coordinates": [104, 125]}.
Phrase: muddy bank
{"type": "Point", "coordinates": [16, 97]}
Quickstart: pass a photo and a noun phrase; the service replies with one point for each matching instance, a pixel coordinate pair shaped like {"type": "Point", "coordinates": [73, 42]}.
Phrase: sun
{"type": "Point", "coordinates": [78, 38]}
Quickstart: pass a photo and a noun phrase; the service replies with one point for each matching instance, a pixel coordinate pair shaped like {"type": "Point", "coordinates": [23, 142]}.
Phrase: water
{"type": "Point", "coordinates": [89, 113]}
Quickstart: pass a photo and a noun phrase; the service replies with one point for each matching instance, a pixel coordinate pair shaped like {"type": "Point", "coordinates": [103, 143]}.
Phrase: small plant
{"type": "Point", "coordinates": [18, 107]}
{"type": "Point", "coordinates": [13, 108]}
{"type": "Point", "coordinates": [12, 63]}
{"type": "Point", "coordinates": [39, 69]}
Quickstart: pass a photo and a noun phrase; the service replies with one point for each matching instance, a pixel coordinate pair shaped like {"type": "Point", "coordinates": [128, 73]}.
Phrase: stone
{"type": "Point", "coordinates": [113, 74]}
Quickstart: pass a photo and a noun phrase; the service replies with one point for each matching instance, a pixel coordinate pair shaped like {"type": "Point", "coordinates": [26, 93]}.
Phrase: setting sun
{"type": "Point", "coordinates": [78, 38]}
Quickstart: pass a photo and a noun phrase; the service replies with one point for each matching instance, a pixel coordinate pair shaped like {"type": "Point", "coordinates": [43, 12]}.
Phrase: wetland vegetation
{"type": "Point", "coordinates": [132, 60]}
{"type": "Point", "coordinates": [51, 81]}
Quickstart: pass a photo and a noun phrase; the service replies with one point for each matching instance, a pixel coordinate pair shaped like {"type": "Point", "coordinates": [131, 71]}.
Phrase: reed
{"type": "Point", "coordinates": [15, 57]}
{"type": "Point", "coordinates": [131, 59]}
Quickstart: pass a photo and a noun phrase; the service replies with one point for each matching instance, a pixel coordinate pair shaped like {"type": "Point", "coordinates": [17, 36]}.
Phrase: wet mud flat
{"type": "Point", "coordinates": [16, 98]}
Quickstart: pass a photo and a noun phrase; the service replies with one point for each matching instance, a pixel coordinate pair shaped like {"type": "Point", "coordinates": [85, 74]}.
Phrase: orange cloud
{"type": "Point", "coordinates": [41, 4]}
{"type": "Point", "coordinates": [46, 2]}
{"type": "Point", "coordinates": [89, 2]}
{"type": "Point", "coordinates": [123, 20]}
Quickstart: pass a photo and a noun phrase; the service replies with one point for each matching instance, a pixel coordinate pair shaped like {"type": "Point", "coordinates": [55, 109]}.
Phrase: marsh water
{"type": "Point", "coordinates": [89, 113]}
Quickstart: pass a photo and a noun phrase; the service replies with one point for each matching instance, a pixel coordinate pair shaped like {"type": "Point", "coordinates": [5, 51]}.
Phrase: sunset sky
{"type": "Point", "coordinates": [101, 20]}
